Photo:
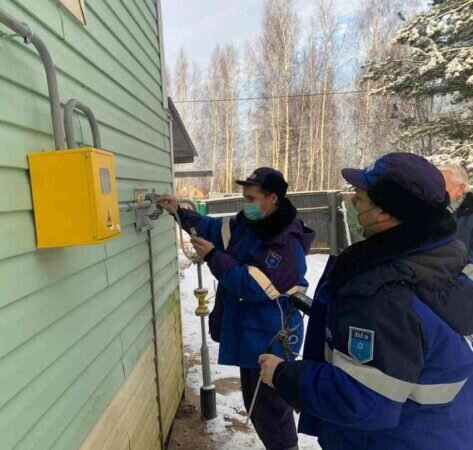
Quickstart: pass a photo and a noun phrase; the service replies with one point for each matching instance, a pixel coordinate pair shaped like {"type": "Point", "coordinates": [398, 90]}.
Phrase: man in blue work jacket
{"type": "Point", "coordinates": [388, 358]}
{"type": "Point", "coordinates": [258, 259]}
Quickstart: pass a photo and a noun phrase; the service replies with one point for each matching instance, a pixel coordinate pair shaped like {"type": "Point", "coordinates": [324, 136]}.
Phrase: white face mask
{"type": "Point", "coordinates": [357, 230]}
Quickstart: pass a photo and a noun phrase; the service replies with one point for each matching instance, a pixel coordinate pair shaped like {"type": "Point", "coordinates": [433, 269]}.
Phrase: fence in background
{"type": "Point", "coordinates": [320, 210]}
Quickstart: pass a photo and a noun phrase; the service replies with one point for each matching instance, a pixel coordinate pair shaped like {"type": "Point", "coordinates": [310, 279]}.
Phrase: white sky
{"type": "Point", "coordinates": [198, 25]}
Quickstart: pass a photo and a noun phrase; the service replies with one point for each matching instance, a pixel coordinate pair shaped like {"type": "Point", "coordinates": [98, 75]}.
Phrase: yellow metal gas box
{"type": "Point", "coordinates": [75, 197]}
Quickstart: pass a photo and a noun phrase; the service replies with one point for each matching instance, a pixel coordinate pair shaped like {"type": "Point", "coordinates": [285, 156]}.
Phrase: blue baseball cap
{"type": "Point", "coordinates": [269, 179]}
{"type": "Point", "coordinates": [412, 172]}
{"type": "Point", "coordinates": [404, 184]}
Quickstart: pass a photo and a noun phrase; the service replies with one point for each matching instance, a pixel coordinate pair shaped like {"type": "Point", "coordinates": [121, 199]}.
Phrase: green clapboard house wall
{"type": "Point", "coordinates": [75, 322]}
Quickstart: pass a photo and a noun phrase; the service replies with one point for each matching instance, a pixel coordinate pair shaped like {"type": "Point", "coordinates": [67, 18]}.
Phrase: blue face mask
{"type": "Point", "coordinates": [252, 211]}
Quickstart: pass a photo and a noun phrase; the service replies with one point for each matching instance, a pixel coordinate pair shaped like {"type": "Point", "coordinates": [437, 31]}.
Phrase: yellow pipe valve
{"type": "Point", "coordinates": [201, 295]}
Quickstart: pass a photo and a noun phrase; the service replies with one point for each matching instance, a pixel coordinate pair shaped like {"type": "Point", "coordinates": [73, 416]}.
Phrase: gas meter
{"type": "Point", "coordinates": [75, 197]}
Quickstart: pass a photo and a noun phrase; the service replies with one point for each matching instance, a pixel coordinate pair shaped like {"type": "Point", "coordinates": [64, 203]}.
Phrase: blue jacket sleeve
{"type": "Point", "coordinates": [206, 227]}
{"type": "Point", "coordinates": [327, 392]}
{"type": "Point", "coordinates": [274, 272]}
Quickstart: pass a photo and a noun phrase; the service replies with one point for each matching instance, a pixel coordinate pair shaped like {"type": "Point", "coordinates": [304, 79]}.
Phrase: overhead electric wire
{"type": "Point", "coordinates": [269, 97]}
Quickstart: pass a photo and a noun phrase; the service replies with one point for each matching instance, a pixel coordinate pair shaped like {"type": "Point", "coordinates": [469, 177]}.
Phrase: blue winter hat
{"type": "Point", "coordinates": [404, 184]}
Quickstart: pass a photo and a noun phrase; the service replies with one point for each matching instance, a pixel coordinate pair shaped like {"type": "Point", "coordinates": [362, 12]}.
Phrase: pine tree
{"type": "Point", "coordinates": [437, 63]}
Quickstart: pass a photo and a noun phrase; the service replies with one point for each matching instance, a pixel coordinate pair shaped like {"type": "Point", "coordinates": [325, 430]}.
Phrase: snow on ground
{"type": "Point", "coordinates": [231, 414]}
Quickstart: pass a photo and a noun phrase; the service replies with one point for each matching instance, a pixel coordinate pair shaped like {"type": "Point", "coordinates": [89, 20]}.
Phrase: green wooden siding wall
{"type": "Point", "coordinates": [74, 321]}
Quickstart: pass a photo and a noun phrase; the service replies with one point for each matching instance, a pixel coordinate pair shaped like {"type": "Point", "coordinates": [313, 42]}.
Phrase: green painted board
{"type": "Point", "coordinates": [44, 268]}
{"type": "Point", "coordinates": [16, 224]}
{"type": "Point", "coordinates": [145, 33]}
{"type": "Point", "coordinates": [42, 308]}
{"type": "Point", "coordinates": [136, 349]}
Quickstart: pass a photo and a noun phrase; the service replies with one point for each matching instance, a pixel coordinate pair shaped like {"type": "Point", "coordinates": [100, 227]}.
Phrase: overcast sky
{"type": "Point", "coordinates": [198, 25]}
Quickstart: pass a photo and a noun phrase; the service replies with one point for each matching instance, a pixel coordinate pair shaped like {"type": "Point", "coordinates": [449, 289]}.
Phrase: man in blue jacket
{"type": "Point", "coordinates": [461, 202]}
{"type": "Point", "coordinates": [388, 358]}
{"type": "Point", "coordinates": [258, 259]}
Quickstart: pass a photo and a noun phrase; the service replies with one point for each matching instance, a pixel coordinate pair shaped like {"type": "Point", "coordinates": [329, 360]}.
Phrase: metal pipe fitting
{"type": "Point", "coordinates": [25, 32]}
{"type": "Point", "coordinates": [74, 104]}
{"type": "Point", "coordinates": [133, 206]}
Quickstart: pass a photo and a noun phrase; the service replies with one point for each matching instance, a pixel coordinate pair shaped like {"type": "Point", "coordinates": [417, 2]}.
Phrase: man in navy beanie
{"type": "Point", "coordinates": [388, 358]}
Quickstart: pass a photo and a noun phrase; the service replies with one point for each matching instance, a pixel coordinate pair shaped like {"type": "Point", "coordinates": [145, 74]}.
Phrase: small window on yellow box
{"type": "Point", "coordinates": [76, 7]}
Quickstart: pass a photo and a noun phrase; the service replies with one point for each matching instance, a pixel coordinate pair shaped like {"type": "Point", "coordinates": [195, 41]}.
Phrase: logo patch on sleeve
{"type": "Point", "coordinates": [361, 344]}
{"type": "Point", "coordinates": [273, 260]}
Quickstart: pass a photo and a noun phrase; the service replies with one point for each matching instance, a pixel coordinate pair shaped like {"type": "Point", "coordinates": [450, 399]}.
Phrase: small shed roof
{"type": "Point", "coordinates": [184, 150]}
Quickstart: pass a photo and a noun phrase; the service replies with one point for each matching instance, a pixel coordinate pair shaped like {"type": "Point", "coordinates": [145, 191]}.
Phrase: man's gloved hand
{"type": "Point", "coordinates": [168, 202]}
{"type": "Point", "coordinates": [202, 247]}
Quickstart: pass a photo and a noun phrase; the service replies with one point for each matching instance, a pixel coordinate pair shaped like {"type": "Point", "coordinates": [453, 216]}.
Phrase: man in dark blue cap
{"type": "Point", "coordinates": [388, 358]}
{"type": "Point", "coordinates": [258, 259]}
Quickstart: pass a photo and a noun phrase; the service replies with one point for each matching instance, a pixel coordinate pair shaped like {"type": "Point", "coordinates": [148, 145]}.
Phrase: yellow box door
{"type": "Point", "coordinates": [103, 191]}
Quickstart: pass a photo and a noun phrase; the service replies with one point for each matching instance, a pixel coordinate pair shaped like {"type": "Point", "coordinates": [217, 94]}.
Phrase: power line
{"type": "Point", "coordinates": [269, 97]}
